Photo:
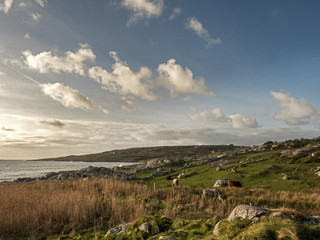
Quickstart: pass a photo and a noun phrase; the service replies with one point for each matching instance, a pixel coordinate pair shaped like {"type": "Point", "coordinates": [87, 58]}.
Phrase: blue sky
{"type": "Point", "coordinates": [82, 76]}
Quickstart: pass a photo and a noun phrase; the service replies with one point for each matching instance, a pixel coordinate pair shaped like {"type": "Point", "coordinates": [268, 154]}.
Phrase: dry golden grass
{"type": "Point", "coordinates": [62, 207]}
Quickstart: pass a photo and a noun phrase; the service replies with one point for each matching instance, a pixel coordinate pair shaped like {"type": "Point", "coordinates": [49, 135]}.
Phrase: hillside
{"type": "Point", "coordinates": [147, 153]}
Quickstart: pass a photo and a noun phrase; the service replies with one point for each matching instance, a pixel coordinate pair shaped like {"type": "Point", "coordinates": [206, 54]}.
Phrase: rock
{"type": "Point", "coordinates": [279, 214]}
{"type": "Point", "coordinates": [62, 176]}
{"type": "Point", "coordinates": [285, 177]}
{"type": "Point", "coordinates": [312, 220]}
{"type": "Point", "coordinates": [214, 193]}
{"type": "Point", "coordinates": [216, 229]}
{"type": "Point", "coordinates": [318, 173]}
{"type": "Point", "coordinates": [145, 227]}
{"type": "Point", "coordinates": [219, 169]}
{"type": "Point", "coordinates": [221, 182]}
{"type": "Point", "coordinates": [181, 175]}
{"type": "Point", "coordinates": [121, 229]}
{"type": "Point", "coordinates": [285, 153]}
{"type": "Point", "coordinates": [247, 212]}
{"type": "Point", "coordinates": [160, 169]}
{"type": "Point", "coordinates": [167, 237]}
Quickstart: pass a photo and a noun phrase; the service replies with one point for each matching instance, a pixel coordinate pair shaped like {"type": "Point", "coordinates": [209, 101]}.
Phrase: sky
{"type": "Point", "coordinates": [82, 76]}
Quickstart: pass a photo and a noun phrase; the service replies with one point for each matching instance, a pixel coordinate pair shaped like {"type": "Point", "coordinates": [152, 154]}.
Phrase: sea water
{"type": "Point", "coordinates": [13, 169]}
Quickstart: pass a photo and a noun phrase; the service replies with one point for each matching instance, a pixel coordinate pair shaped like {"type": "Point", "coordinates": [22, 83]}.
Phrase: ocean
{"type": "Point", "coordinates": [13, 169]}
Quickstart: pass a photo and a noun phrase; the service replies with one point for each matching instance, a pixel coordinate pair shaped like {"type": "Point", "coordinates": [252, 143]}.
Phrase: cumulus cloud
{"type": "Point", "coordinates": [175, 12]}
{"type": "Point", "coordinates": [143, 9]}
{"type": "Point", "coordinates": [217, 116]}
{"type": "Point", "coordinates": [52, 123]}
{"type": "Point", "coordinates": [293, 111]}
{"type": "Point", "coordinates": [196, 26]}
{"type": "Point", "coordinates": [66, 95]}
{"type": "Point", "coordinates": [5, 6]}
{"type": "Point", "coordinates": [42, 3]}
{"type": "Point", "coordinates": [130, 85]}
{"type": "Point", "coordinates": [180, 80]}
{"type": "Point", "coordinates": [46, 62]}
{"type": "Point", "coordinates": [35, 16]}
{"type": "Point", "coordinates": [123, 80]}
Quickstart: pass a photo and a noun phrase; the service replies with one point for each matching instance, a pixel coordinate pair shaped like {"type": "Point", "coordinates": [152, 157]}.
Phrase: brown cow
{"type": "Point", "coordinates": [234, 183]}
{"type": "Point", "coordinates": [175, 182]}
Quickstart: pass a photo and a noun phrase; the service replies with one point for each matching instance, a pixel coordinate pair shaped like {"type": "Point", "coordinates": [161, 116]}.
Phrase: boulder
{"type": "Point", "coordinates": [181, 175]}
{"type": "Point", "coordinates": [121, 229]}
{"type": "Point", "coordinates": [285, 177]}
{"type": "Point", "coordinates": [167, 237]}
{"type": "Point", "coordinates": [62, 176]}
{"type": "Point", "coordinates": [285, 153]}
{"type": "Point", "coordinates": [221, 183]}
{"type": "Point", "coordinates": [219, 169]}
{"type": "Point", "coordinates": [312, 220]}
{"type": "Point", "coordinates": [145, 227]}
{"type": "Point", "coordinates": [247, 212]}
{"type": "Point", "coordinates": [216, 230]}
{"type": "Point", "coordinates": [214, 193]}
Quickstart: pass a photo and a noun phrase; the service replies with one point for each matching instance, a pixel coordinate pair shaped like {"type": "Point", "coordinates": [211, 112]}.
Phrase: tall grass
{"type": "Point", "coordinates": [62, 207]}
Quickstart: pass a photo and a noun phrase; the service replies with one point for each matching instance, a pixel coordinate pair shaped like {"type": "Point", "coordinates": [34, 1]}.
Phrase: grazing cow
{"type": "Point", "coordinates": [234, 184]}
{"type": "Point", "coordinates": [175, 182]}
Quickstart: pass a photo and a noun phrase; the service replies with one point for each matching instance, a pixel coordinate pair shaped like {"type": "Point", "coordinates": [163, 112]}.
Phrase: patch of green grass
{"type": "Point", "coordinates": [266, 174]}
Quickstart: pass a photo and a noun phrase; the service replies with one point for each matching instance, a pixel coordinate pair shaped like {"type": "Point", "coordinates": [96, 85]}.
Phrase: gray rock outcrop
{"type": "Point", "coordinates": [167, 237]}
{"type": "Point", "coordinates": [216, 230]}
{"type": "Point", "coordinates": [247, 212]}
{"type": "Point", "coordinates": [145, 227]}
{"type": "Point", "coordinates": [221, 183]}
{"type": "Point", "coordinates": [121, 229]}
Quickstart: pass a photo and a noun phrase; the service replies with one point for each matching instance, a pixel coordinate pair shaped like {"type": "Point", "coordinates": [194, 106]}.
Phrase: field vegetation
{"type": "Point", "coordinates": [88, 208]}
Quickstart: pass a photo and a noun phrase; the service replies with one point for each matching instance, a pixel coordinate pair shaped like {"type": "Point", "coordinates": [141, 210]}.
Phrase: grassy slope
{"type": "Point", "coordinates": [265, 174]}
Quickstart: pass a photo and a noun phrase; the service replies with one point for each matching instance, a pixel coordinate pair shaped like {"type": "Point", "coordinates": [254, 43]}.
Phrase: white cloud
{"type": "Point", "coordinates": [123, 80]}
{"type": "Point", "coordinates": [131, 85]}
{"type": "Point", "coordinates": [35, 16]}
{"type": "Point", "coordinates": [52, 123]}
{"type": "Point", "coordinates": [217, 116]}
{"type": "Point", "coordinates": [66, 95]}
{"type": "Point", "coordinates": [180, 80]}
{"type": "Point", "coordinates": [175, 12]}
{"type": "Point", "coordinates": [42, 3]}
{"type": "Point", "coordinates": [143, 9]}
{"type": "Point", "coordinates": [82, 137]}
{"type": "Point", "coordinates": [5, 6]}
{"type": "Point", "coordinates": [46, 62]}
{"type": "Point", "coordinates": [240, 122]}
{"type": "Point", "coordinates": [293, 111]}
{"type": "Point", "coordinates": [26, 36]}
{"type": "Point", "coordinates": [197, 27]}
